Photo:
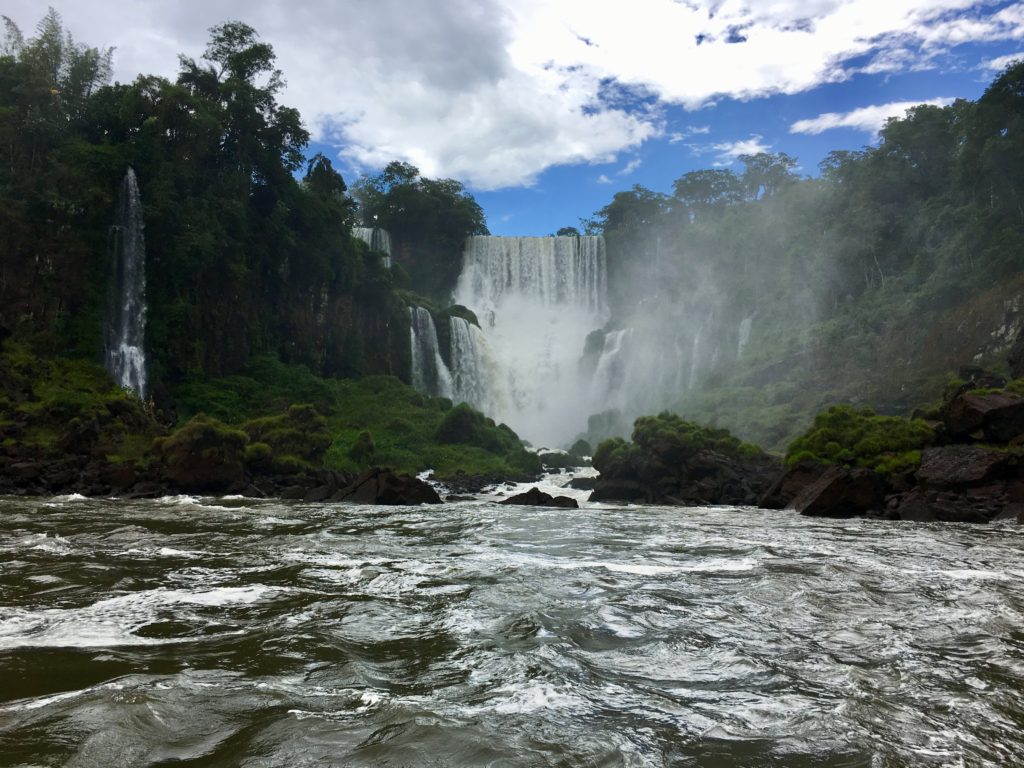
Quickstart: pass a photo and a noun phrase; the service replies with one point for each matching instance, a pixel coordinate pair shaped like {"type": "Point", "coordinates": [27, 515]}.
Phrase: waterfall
{"type": "Point", "coordinates": [473, 365]}
{"type": "Point", "coordinates": [744, 335]}
{"type": "Point", "coordinates": [612, 368]}
{"type": "Point", "coordinates": [429, 373]}
{"type": "Point", "coordinates": [124, 352]}
{"type": "Point", "coordinates": [379, 241]}
{"type": "Point", "coordinates": [537, 299]}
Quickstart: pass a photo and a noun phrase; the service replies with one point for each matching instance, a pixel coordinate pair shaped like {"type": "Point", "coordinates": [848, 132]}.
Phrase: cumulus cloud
{"type": "Point", "coordinates": [495, 91]}
{"type": "Point", "coordinates": [728, 152]}
{"type": "Point", "coordinates": [1002, 62]}
{"type": "Point", "coordinates": [603, 179]}
{"type": "Point", "coordinates": [870, 119]}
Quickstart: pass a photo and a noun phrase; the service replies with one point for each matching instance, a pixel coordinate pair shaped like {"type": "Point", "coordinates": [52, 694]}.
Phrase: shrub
{"type": "Point", "coordinates": [847, 436]}
{"type": "Point", "coordinates": [203, 455]}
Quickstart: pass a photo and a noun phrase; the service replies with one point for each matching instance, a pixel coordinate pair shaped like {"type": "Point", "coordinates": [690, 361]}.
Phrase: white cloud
{"type": "Point", "coordinates": [495, 91]}
{"type": "Point", "coordinates": [631, 166]}
{"type": "Point", "coordinates": [1002, 62]}
{"type": "Point", "coordinates": [728, 152]}
{"type": "Point", "coordinates": [603, 179]}
{"type": "Point", "coordinates": [690, 130]}
{"type": "Point", "coordinates": [870, 119]}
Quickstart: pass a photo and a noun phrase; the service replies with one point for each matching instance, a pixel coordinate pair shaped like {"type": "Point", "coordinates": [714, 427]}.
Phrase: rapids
{"type": "Point", "coordinates": [223, 631]}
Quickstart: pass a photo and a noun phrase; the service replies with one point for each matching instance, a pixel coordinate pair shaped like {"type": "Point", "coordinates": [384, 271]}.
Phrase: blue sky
{"type": "Point", "coordinates": [546, 108]}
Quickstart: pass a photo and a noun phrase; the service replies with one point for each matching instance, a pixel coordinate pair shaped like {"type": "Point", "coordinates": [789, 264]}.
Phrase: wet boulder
{"type": "Point", "coordinates": [791, 484]}
{"type": "Point", "coordinates": [994, 416]}
{"type": "Point", "coordinates": [535, 497]}
{"type": "Point", "coordinates": [382, 486]}
{"type": "Point", "coordinates": [841, 492]}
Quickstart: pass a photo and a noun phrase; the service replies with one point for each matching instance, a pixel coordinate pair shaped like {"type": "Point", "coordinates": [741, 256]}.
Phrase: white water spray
{"type": "Point", "coordinates": [537, 299]}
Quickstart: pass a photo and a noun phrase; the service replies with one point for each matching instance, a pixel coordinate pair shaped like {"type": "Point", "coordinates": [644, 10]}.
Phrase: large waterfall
{"type": "Point", "coordinates": [378, 239]}
{"type": "Point", "coordinates": [537, 298]}
{"type": "Point", "coordinates": [125, 355]}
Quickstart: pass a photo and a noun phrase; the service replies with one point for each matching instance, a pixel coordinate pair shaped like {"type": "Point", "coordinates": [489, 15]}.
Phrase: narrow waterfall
{"type": "Point", "coordinates": [612, 368]}
{"type": "Point", "coordinates": [473, 367]}
{"type": "Point", "coordinates": [379, 241]}
{"type": "Point", "coordinates": [744, 335]}
{"type": "Point", "coordinates": [124, 353]}
{"type": "Point", "coordinates": [537, 299]}
{"type": "Point", "coordinates": [429, 373]}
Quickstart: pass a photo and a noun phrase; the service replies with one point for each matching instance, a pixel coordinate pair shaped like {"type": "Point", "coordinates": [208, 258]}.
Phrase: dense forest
{"type": "Point", "coordinates": [254, 280]}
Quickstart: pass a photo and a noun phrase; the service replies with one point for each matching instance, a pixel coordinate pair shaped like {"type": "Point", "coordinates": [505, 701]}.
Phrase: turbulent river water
{"type": "Point", "coordinates": [230, 632]}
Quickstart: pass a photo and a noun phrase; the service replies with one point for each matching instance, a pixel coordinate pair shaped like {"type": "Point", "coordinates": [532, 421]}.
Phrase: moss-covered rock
{"type": "Point", "coordinates": [204, 455]}
{"type": "Point", "coordinates": [850, 437]}
{"type": "Point", "coordinates": [674, 461]}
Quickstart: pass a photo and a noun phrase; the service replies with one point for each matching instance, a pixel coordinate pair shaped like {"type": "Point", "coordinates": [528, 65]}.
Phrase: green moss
{"type": "Point", "coordinates": [848, 436]}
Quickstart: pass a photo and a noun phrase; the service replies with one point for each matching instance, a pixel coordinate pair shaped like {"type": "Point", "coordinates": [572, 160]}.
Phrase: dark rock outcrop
{"type": "Point", "coordinates": [535, 497]}
{"type": "Point", "coordinates": [700, 477]}
{"type": "Point", "coordinates": [382, 486]}
{"type": "Point", "coordinates": [993, 417]}
{"type": "Point", "coordinates": [840, 492]}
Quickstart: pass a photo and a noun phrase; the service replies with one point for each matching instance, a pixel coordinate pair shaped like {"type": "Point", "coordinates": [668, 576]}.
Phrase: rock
{"type": "Point", "coordinates": [841, 492]}
{"type": "Point", "coordinates": [320, 493]}
{"type": "Point", "coordinates": [583, 483]}
{"type": "Point", "coordinates": [382, 486]}
{"type": "Point", "coordinates": [252, 492]}
{"type": "Point", "coordinates": [790, 484]}
{"type": "Point", "coordinates": [956, 465]}
{"type": "Point", "coordinates": [617, 489]}
{"type": "Point", "coordinates": [535, 497]}
{"type": "Point", "coordinates": [998, 416]}
{"type": "Point", "coordinates": [456, 497]}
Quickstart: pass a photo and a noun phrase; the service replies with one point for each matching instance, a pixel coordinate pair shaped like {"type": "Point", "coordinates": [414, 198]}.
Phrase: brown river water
{"type": "Point", "coordinates": [227, 632]}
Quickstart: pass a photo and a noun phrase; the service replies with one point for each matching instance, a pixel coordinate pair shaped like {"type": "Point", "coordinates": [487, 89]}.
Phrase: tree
{"type": "Point", "coordinates": [700, 192]}
{"type": "Point", "coordinates": [766, 173]}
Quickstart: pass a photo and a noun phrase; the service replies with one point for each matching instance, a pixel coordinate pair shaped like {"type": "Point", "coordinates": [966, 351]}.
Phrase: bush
{"type": "Point", "coordinates": [203, 455]}
{"type": "Point", "coordinates": [847, 436]}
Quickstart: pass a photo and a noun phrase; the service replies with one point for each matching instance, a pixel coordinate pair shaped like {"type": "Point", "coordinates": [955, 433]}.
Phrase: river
{"type": "Point", "coordinates": [231, 632]}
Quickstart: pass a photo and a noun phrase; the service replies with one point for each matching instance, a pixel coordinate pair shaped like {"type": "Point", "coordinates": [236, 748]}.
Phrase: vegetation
{"type": "Point", "coordinates": [673, 440]}
{"type": "Point", "coordinates": [346, 424]}
{"type": "Point", "coordinates": [859, 437]}
{"type": "Point", "coordinates": [429, 220]}
{"type": "Point", "coordinates": [866, 284]}
{"type": "Point", "coordinates": [50, 408]}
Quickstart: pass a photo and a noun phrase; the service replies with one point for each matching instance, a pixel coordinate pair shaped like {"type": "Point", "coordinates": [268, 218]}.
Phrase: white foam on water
{"type": "Point", "coordinates": [44, 542]}
{"type": "Point", "coordinates": [534, 698]}
{"type": "Point", "coordinates": [114, 621]}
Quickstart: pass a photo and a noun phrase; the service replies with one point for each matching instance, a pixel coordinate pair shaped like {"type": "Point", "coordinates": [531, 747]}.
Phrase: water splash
{"type": "Point", "coordinates": [379, 241]}
{"type": "Point", "coordinates": [124, 354]}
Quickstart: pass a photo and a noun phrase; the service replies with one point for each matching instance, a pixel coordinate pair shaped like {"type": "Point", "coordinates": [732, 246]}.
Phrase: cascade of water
{"type": "Point", "coordinates": [125, 355]}
{"type": "Point", "coordinates": [537, 298]}
{"type": "Point", "coordinates": [429, 373]}
{"type": "Point", "coordinates": [611, 370]}
{"type": "Point", "coordinates": [379, 241]}
{"type": "Point", "coordinates": [473, 365]}
{"type": "Point", "coordinates": [744, 335]}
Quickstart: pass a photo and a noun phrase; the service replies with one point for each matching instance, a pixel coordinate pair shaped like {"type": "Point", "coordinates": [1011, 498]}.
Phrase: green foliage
{"type": "Point", "coordinates": [672, 437]}
{"type": "Point", "coordinates": [429, 220]}
{"type": "Point", "coordinates": [580, 449]}
{"type": "Point", "coordinates": [399, 422]}
{"type": "Point", "coordinates": [203, 454]}
{"type": "Point", "coordinates": [362, 449]}
{"type": "Point", "coordinates": [54, 406]}
{"type": "Point", "coordinates": [859, 437]}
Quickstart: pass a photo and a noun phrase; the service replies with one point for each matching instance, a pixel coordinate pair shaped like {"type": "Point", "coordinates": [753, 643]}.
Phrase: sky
{"type": "Point", "coordinates": [545, 109]}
